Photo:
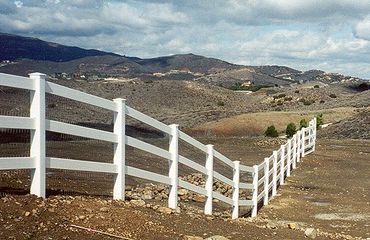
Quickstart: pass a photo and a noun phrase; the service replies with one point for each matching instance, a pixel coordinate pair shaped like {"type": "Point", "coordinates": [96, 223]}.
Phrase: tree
{"type": "Point", "coordinates": [303, 123]}
{"type": "Point", "coordinates": [319, 120]}
{"type": "Point", "coordinates": [271, 132]}
{"type": "Point", "coordinates": [290, 130]}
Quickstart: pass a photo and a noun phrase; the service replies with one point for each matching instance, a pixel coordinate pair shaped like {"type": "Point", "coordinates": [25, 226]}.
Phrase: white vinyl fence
{"type": "Point", "coordinates": [266, 176]}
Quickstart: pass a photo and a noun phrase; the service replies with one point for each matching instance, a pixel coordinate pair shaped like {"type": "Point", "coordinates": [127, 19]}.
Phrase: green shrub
{"type": "Point", "coordinates": [290, 130]}
{"type": "Point", "coordinates": [333, 95]}
{"type": "Point", "coordinates": [319, 120]}
{"type": "Point", "coordinates": [322, 101]}
{"type": "Point", "coordinates": [288, 99]}
{"type": "Point", "coordinates": [296, 91]}
{"type": "Point", "coordinates": [306, 102]}
{"type": "Point", "coordinates": [303, 123]}
{"type": "Point", "coordinates": [316, 86]}
{"type": "Point", "coordinates": [220, 103]}
{"type": "Point", "coordinates": [271, 132]}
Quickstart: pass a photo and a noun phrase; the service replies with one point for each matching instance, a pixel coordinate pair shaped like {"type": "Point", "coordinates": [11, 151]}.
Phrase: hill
{"type": "Point", "coordinates": [22, 55]}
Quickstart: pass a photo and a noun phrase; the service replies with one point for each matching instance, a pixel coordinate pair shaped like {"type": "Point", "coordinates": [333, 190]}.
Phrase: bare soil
{"type": "Point", "coordinates": [329, 191]}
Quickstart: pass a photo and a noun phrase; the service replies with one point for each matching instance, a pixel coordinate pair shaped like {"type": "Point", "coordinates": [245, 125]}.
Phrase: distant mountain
{"type": "Point", "coordinates": [22, 55]}
{"type": "Point", "coordinates": [13, 47]}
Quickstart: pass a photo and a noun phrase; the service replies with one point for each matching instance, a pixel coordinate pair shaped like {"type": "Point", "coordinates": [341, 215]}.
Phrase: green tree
{"type": "Point", "coordinates": [303, 123]}
{"type": "Point", "coordinates": [319, 120]}
{"type": "Point", "coordinates": [290, 130]}
{"type": "Point", "coordinates": [271, 132]}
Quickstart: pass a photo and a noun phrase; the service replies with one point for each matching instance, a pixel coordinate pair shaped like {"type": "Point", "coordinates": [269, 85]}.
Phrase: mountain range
{"type": "Point", "coordinates": [22, 55]}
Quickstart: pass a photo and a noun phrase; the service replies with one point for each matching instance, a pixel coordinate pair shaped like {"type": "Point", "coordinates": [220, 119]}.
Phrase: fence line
{"type": "Point", "coordinates": [265, 177]}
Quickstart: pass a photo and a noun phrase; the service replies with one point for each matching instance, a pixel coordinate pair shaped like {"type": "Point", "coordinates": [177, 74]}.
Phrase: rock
{"type": "Point", "coordinates": [271, 225]}
{"type": "Point", "coordinates": [27, 214]}
{"type": "Point", "coordinates": [292, 225]}
{"type": "Point", "coordinates": [310, 233]}
{"type": "Point", "coordinates": [192, 238]}
{"type": "Point", "coordinates": [182, 192]}
{"type": "Point", "coordinates": [81, 217]}
{"type": "Point", "coordinates": [138, 202]}
{"type": "Point", "coordinates": [104, 209]}
{"type": "Point", "coordinates": [165, 210]}
{"type": "Point", "coordinates": [217, 237]}
{"type": "Point", "coordinates": [110, 230]}
{"type": "Point", "coordinates": [199, 198]}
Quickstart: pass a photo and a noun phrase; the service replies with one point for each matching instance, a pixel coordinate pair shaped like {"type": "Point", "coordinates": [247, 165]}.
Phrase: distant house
{"type": "Point", "coordinates": [247, 84]}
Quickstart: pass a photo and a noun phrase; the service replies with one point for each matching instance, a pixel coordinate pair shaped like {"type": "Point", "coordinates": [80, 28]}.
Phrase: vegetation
{"type": "Point", "coordinates": [271, 132]}
{"type": "Point", "coordinates": [319, 120]}
{"type": "Point", "coordinates": [220, 103]}
{"type": "Point", "coordinates": [303, 123]}
{"type": "Point", "coordinates": [307, 102]}
{"type": "Point", "coordinates": [316, 86]}
{"type": "Point", "coordinates": [279, 96]}
{"type": "Point", "coordinates": [254, 88]}
{"type": "Point", "coordinates": [332, 95]}
{"type": "Point", "coordinates": [290, 130]}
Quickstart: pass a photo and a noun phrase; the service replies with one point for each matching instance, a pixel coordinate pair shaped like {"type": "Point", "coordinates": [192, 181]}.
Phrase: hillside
{"type": "Point", "coordinates": [23, 55]}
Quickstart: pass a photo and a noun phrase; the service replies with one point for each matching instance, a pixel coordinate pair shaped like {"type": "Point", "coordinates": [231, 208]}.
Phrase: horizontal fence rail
{"type": "Point", "coordinates": [262, 183]}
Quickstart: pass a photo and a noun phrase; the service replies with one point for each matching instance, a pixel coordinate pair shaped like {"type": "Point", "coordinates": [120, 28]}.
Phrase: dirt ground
{"type": "Point", "coordinates": [329, 191]}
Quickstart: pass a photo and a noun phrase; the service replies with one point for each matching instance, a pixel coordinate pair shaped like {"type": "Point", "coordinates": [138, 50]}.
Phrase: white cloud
{"type": "Point", "coordinates": [362, 29]}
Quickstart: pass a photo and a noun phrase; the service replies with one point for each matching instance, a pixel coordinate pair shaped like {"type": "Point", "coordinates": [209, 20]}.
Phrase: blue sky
{"type": "Point", "coordinates": [332, 35]}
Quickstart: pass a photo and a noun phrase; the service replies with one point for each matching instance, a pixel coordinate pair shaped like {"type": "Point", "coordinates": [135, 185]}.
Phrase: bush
{"type": "Point", "coordinates": [316, 86]}
{"type": "Point", "coordinates": [333, 95]}
{"type": "Point", "coordinates": [290, 130]}
{"type": "Point", "coordinates": [322, 101]}
{"type": "Point", "coordinates": [306, 102]}
{"type": "Point", "coordinates": [296, 91]}
{"type": "Point", "coordinates": [271, 132]}
{"type": "Point", "coordinates": [319, 120]}
{"type": "Point", "coordinates": [288, 99]}
{"type": "Point", "coordinates": [220, 103]}
{"type": "Point", "coordinates": [303, 123]}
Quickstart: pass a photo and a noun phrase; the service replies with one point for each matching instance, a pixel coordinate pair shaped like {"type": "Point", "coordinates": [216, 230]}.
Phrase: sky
{"type": "Point", "coordinates": [331, 35]}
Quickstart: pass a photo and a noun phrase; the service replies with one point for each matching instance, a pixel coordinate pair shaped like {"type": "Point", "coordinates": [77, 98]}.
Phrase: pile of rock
{"type": "Point", "coordinates": [160, 191]}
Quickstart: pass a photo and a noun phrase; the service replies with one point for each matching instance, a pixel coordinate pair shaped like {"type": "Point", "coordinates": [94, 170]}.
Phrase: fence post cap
{"type": "Point", "coordinates": [119, 99]}
{"type": "Point", "coordinates": [37, 75]}
{"type": "Point", "coordinates": [210, 145]}
{"type": "Point", "coordinates": [174, 125]}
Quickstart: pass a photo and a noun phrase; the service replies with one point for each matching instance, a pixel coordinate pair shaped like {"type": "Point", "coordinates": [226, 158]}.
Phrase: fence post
{"type": "Point", "coordinates": [314, 133]}
{"type": "Point", "coordinates": [209, 180]}
{"type": "Point", "coordinates": [289, 156]}
{"type": "Point", "coordinates": [120, 149]}
{"type": "Point", "coordinates": [266, 181]}
{"type": "Point", "coordinates": [298, 146]}
{"type": "Point", "coordinates": [173, 169]}
{"type": "Point", "coordinates": [282, 163]}
{"type": "Point", "coordinates": [303, 140]}
{"type": "Point", "coordinates": [255, 191]}
{"type": "Point", "coordinates": [236, 179]}
{"type": "Point", "coordinates": [274, 174]}
{"type": "Point", "coordinates": [38, 140]}
{"type": "Point", "coordinates": [295, 145]}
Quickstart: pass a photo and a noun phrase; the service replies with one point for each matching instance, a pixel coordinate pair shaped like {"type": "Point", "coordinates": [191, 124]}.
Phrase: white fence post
{"type": "Point", "coordinates": [282, 164]}
{"type": "Point", "coordinates": [209, 180]}
{"type": "Point", "coordinates": [314, 133]}
{"type": "Point", "coordinates": [295, 146]}
{"type": "Point", "coordinates": [274, 174]}
{"type": "Point", "coordinates": [38, 139]}
{"type": "Point", "coordinates": [236, 179]}
{"type": "Point", "coordinates": [255, 191]}
{"type": "Point", "coordinates": [303, 141]}
{"type": "Point", "coordinates": [173, 169]}
{"type": "Point", "coordinates": [266, 181]}
{"type": "Point", "coordinates": [120, 149]}
{"type": "Point", "coordinates": [299, 146]}
{"type": "Point", "coordinates": [289, 157]}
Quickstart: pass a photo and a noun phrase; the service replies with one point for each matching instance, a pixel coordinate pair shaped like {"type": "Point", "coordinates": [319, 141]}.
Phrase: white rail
{"type": "Point", "coordinates": [263, 177]}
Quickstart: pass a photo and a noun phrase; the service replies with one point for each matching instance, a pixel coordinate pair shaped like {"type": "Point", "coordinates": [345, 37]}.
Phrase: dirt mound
{"type": "Point", "coordinates": [357, 126]}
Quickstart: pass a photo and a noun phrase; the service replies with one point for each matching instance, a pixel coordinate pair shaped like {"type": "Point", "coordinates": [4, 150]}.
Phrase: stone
{"type": "Point", "coordinates": [138, 202]}
{"type": "Point", "coordinates": [27, 214]}
{"type": "Point", "coordinates": [103, 209]}
{"type": "Point", "coordinates": [165, 210]}
{"type": "Point", "coordinates": [310, 233]}
{"type": "Point", "coordinates": [192, 238]}
{"type": "Point", "coordinates": [82, 217]}
{"type": "Point", "coordinates": [182, 192]}
{"type": "Point", "coordinates": [110, 230]}
{"type": "Point", "coordinates": [199, 198]}
{"type": "Point", "coordinates": [217, 237]}
{"type": "Point", "coordinates": [292, 226]}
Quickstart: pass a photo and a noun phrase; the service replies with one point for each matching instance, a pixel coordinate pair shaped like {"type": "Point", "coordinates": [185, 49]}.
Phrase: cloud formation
{"type": "Point", "coordinates": [333, 35]}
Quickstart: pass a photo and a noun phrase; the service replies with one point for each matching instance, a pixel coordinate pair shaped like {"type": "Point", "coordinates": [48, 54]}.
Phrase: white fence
{"type": "Point", "coordinates": [263, 184]}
